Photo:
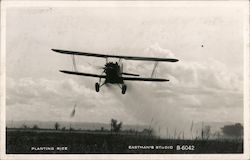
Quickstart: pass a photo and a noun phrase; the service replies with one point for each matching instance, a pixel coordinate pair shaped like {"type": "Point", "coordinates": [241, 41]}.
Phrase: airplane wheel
{"type": "Point", "coordinates": [97, 87]}
{"type": "Point", "coordinates": [124, 88]}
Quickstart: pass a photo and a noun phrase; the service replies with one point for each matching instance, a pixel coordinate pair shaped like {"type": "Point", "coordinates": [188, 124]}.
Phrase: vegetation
{"type": "Point", "coordinates": [235, 131]}
{"type": "Point", "coordinates": [115, 126]}
{"type": "Point", "coordinates": [57, 125]}
{"type": "Point", "coordinates": [35, 127]}
{"type": "Point", "coordinates": [20, 141]}
{"type": "Point", "coordinates": [63, 128]}
{"type": "Point", "coordinates": [205, 134]}
{"type": "Point", "coordinates": [24, 126]}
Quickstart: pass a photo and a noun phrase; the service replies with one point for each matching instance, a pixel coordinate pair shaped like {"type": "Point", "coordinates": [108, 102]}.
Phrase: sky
{"type": "Point", "coordinates": [205, 85]}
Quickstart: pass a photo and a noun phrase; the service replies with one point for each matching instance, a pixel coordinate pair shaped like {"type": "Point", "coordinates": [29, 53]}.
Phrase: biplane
{"type": "Point", "coordinates": [113, 71]}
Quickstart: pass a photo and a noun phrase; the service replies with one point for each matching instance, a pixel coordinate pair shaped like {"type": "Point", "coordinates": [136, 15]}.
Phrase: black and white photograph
{"type": "Point", "coordinates": [125, 78]}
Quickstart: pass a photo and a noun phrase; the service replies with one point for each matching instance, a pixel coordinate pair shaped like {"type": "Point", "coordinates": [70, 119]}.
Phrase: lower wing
{"type": "Point", "coordinates": [144, 79]}
{"type": "Point", "coordinates": [83, 74]}
{"type": "Point", "coordinates": [124, 78]}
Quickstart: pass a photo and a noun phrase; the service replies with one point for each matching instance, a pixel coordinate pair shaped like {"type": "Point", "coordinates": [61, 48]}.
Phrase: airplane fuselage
{"type": "Point", "coordinates": [113, 73]}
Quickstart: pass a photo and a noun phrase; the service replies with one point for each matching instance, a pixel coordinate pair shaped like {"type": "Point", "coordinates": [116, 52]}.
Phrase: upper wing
{"type": "Point", "coordinates": [83, 74]}
{"type": "Point", "coordinates": [116, 56]}
{"type": "Point", "coordinates": [144, 79]}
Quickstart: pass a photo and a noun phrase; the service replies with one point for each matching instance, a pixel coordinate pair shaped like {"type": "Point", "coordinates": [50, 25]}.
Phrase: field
{"type": "Point", "coordinates": [52, 141]}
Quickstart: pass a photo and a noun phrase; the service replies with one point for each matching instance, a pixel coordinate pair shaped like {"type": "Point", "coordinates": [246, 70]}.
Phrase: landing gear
{"type": "Point", "coordinates": [97, 87]}
{"type": "Point", "coordinates": [124, 88]}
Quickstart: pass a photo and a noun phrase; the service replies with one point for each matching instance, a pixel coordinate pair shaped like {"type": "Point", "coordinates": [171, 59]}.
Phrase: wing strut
{"type": "Point", "coordinates": [74, 63]}
{"type": "Point", "coordinates": [153, 74]}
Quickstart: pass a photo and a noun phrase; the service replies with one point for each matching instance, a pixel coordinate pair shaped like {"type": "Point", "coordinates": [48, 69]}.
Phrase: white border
{"type": "Point", "coordinates": [7, 4]}
{"type": "Point", "coordinates": [3, 80]}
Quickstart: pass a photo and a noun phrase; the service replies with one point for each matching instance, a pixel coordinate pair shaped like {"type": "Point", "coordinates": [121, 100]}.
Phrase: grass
{"type": "Point", "coordinates": [21, 141]}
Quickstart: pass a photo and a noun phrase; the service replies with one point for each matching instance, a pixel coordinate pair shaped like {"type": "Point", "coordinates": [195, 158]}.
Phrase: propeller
{"type": "Point", "coordinates": [121, 68]}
